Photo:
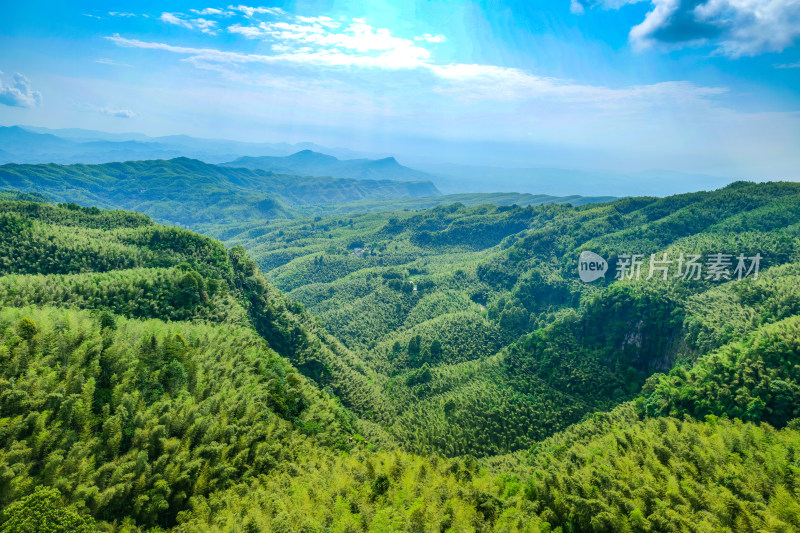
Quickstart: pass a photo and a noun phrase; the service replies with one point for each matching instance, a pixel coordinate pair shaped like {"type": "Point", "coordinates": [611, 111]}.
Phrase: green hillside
{"type": "Point", "coordinates": [450, 373]}
{"type": "Point", "coordinates": [466, 199]}
{"type": "Point", "coordinates": [189, 192]}
{"type": "Point", "coordinates": [481, 335]}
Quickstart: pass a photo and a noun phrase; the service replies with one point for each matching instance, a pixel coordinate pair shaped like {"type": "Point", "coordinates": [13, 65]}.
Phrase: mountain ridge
{"type": "Point", "coordinates": [309, 162]}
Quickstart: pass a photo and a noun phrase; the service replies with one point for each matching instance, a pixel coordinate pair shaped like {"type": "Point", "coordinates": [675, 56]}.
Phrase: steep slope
{"type": "Point", "coordinates": [155, 361]}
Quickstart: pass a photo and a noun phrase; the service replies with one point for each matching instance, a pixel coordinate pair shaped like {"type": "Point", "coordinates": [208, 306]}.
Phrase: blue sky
{"type": "Point", "coordinates": [692, 85]}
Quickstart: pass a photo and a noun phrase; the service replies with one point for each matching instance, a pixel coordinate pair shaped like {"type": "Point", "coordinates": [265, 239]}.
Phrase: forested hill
{"type": "Point", "coordinates": [152, 379]}
{"type": "Point", "coordinates": [143, 365]}
{"type": "Point", "coordinates": [478, 328]}
{"type": "Point", "coordinates": [189, 192]}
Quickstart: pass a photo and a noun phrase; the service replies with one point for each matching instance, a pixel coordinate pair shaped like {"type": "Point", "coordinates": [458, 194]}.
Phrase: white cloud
{"type": "Point", "coordinates": [389, 59]}
{"type": "Point", "coordinates": [789, 65]}
{"type": "Point", "coordinates": [752, 27]}
{"type": "Point", "coordinates": [172, 18]}
{"type": "Point", "coordinates": [19, 93]}
{"type": "Point", "coordinates": [735, 28]}
{"type": "Point", "coordinates": [204, 25]}
{"type": "Point", "coordinates": [464, 82]}
{"type": "Point", "coordinates": [119, 113]}
{"type": "Point", "coordinates": [211, 11]}
{"type": "Point", "coordinates": [250, 32]}
{"type": "Point", "coordinates": [321, 21]}
{"type": "Point", "coordinates": [121, 14]}
{"type": "Point", "coordinates": [320, 40]}
{"type": "Point", "coordinates": [430, 38]}
{"type": "Point", "coordinates": [108, 110]}
{"type": "Point", "coordinates": [250, 11]}
{"type": "Point", "coordinates": [488, 82]}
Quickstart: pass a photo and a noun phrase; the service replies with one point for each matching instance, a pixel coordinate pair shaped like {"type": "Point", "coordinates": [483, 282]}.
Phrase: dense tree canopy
{"type": "Point", "coordinates": [457, 375]}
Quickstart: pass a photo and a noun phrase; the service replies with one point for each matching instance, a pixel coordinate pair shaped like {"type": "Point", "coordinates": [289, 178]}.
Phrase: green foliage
{"type": "Point", "coordinates": [500, 282]}
{"type": "Point", "coordinates": [612, 472]}
{"type": "Point", "coordinates": [145, 413]}
{"type": "Point", "coordinates": [156, 379]}
{"type": "Point", "coordinates": [754, 380]}
{"type": "Point", "coordinates": [43, 511]}
{"type": "Point", "coordinates": [130, 419]}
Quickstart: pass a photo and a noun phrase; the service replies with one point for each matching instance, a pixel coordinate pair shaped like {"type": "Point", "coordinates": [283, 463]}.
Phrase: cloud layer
{"type": "Point", "coordinates": [305, 43]}
{"type": "Point", "coordinates": [19, 93]}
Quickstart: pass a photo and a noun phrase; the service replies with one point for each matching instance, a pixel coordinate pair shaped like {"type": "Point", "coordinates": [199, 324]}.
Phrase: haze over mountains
{"type": "Point", "coordinates": [308, 162]}
{"type": "Point", "coordinates": [28, 144]}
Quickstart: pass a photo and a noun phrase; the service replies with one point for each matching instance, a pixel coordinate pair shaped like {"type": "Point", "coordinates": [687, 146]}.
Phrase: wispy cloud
{"type": "Point", "coordinates": [121, 14]}
{"type": "Point", "coordinates": [305, 42]}
{"type": "Point", "coordinates": [321, 21]}
{"type": "Point", "coordinates": [487, 82]}
{"type": "Point", "coordinates": [212, 11]}
{"type": "Point", "coordinates": [360, 45]}
{"type": "Point", "coordinates": [321, 41]}
{"type": "Point", "coordinates": [119, 113]}
{"type": "Point", "coordinates": [250, 11]}
{"type": "Point", "coordinates": [176, 19]}
{"type": "Point", "coordinates": [430, 38]}
{"type": "Point", "coordinates": [789, 65]}
{"type": "Point", "coordinates": [110, 111]}
{"type": "Point", "coordinates": [111, 62]}
{"type": "Point", "coordinates": [19, 93]}
{"type": "Point", "coordinates": [172, 18]}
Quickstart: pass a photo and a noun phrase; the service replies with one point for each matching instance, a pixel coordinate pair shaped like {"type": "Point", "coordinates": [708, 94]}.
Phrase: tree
{"type": "Point", "coordinates": [43, 511]}
{"type": "Point", "coordinates": [436, 351]}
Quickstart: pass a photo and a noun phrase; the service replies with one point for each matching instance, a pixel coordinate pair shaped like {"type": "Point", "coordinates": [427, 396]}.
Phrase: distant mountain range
{"type": "Point", "coordinates": [190, 192]}
{"type": "Point", "coordinates": [310, 163]}
{"type": "Point", "coordinates": [29, 144]}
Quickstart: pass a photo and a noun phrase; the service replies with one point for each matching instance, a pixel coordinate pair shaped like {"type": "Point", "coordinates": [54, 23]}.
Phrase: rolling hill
{"type": "Point", "coordinates": [189, 192]}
